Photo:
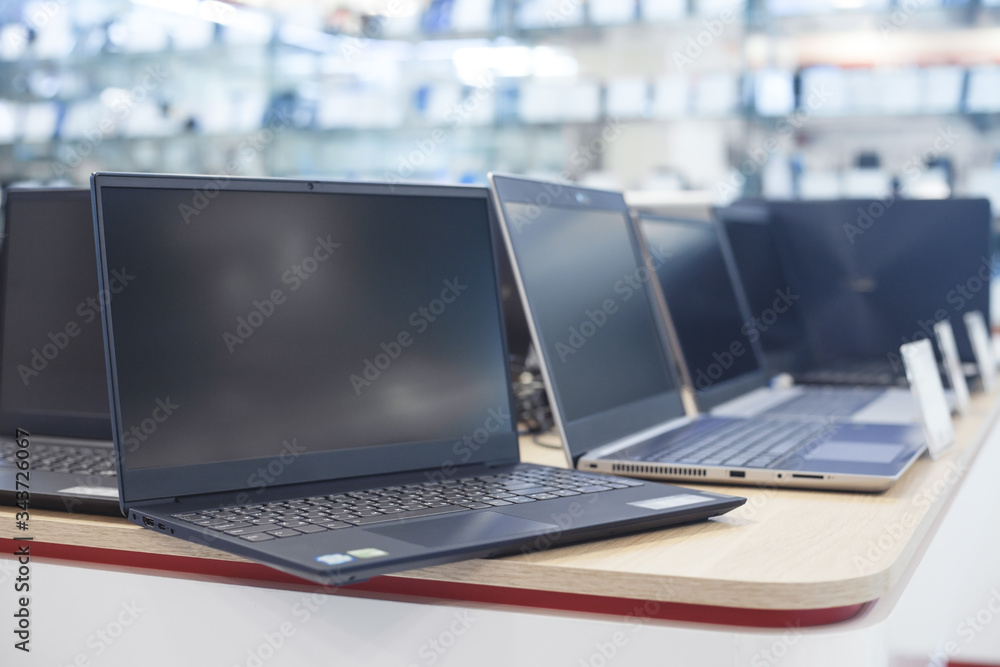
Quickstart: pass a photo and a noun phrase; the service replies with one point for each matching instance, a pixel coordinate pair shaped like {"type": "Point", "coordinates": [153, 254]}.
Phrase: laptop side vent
{"type": "Point", "coordinates": [647, 469]}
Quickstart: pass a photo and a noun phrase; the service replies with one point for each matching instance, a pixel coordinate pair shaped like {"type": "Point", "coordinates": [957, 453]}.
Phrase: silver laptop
{"type": "Point", "coordinates": [609, 357]}
{"type": "Point", "coordinates": [720, 337]}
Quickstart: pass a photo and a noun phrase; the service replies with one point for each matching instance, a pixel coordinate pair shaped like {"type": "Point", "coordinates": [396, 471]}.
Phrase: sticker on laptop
{"type": "Point", "coordinates": [671, 501]}
{"type": "Point", "coordinates": [102, 491]}
{"type": "Point", "coordinates": [368, 553]}
{"type": "Point", "coordinates": [335, 559]}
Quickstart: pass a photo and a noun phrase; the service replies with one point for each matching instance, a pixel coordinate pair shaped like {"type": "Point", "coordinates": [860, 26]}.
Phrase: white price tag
{"type": "Point", "coordinates": [925, 384]}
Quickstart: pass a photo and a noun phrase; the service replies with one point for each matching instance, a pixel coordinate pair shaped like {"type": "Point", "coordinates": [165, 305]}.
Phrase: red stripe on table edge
{"type": "Point", "coordinates": [427, 589]}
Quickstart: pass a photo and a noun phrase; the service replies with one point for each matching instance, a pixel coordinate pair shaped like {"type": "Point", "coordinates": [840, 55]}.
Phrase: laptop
{"type": "Point", "coordinates": [720, 338]}
{"type": "Point", "coordinates": [53, 382]}
{"type": "Point", "coordinates": [858, 301]}
{"type": "Point", "coordinates": [608, 350]}
{"type": "Point", "coordinates": [335, 356]}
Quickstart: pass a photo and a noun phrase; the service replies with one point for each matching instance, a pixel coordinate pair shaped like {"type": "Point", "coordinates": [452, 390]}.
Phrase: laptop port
{"type": "Point", "coordinates": [737, 473]}
{"type": "Point", "coordinates": [146, 520]}
{"type": "Point", "coordinates": [161, 526]}
{"type": "Point", "coordinates": [798, 476]}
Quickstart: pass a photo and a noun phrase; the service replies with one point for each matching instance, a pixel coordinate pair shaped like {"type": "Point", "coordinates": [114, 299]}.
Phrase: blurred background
{"type": "Point", "coordinates": [708, 100]}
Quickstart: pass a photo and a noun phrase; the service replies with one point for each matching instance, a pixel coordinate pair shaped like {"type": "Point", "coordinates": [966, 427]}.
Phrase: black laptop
{"type": "Point", "coordinates": [53, 382]}
{"type": "Point", "coordinates": [868, 275]}
{"type": "Point", "coordinates": [335, 356]}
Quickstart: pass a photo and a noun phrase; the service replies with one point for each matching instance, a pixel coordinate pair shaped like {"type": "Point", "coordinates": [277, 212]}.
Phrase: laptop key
{"type": "Point", "coordinates": [256, 537]}
{"type": "Point", "coordinates": [431, 511]}
{"type": "Point", "coordinates": [593, 489]}
{"type": "Point", "coordinates": [311, 529]}
{"type": "Point", "coordinates": [284, 532]}
{"type": "Point", "coordinates": [247, 530]}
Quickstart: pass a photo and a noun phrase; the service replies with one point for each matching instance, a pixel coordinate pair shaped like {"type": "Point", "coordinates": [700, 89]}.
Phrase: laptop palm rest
{"type": "Point", "coordinates": [472, 527]}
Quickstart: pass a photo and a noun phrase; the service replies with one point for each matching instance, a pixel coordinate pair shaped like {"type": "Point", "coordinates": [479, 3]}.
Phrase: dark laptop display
{"type": "Point", "coordinates": [606, 352]}
{"type": "Point", "coordinates": [717, 338]}
{"type": "Point", "coordinates": [53, 379]}
{"type": "Point", "coordinates": [874, 274]}
{"type": "Point", "coordinates": [316, 377]}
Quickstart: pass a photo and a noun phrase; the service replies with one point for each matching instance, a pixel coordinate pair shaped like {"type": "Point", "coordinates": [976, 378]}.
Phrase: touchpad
{"type": "Point", "coordinates": [459, 529]}
{"type": "Point", "coordinates": [862, 452]}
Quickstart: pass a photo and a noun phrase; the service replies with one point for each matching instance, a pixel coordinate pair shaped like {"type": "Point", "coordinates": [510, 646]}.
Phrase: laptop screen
{"type": "Point", "coordinates": [595, 322]}
{"type": "Point", "coordinates": [589, 298]}
{"type": "Point", "coordinates": [715, 331]}
{"type": "Point", "coordinates": [873, 274]}
{"type": "Point", "coordinates": [268, 323]}
{"type": "Point", "coordinates": [54, 381]}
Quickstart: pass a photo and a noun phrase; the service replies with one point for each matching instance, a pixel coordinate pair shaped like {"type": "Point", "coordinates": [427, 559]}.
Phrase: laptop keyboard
{"type": "Point", "coordinates": [258, 523]}
{"type": "Point", "coordinates": [63, 458]}
{"type": "Point", "coordinates": [738, 443]}
{"type": "Point", "coordinates": [826, 403]}
{"type": "Point", "coordinates": [854, 373]}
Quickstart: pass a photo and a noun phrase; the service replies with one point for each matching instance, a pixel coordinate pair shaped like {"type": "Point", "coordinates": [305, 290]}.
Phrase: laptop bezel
{"type": "Point", "coordinates": [150, 485]}
{"type": "Point", "coordinates": [582, 435]}
{"type": "Point", "coordinates": [43, 422]}
{"type": "Point", "coordinates": [719, 392]}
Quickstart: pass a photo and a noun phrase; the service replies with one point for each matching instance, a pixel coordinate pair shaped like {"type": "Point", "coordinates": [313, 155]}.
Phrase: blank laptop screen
{"type": "Point", "coordinates": [330, 321]}
{"type": "Point", "coordinates": [702, 299]}
{"type": "Point", "coordinates": [54, 380]}
{"type": "Point", "coordinates": [591, 307]}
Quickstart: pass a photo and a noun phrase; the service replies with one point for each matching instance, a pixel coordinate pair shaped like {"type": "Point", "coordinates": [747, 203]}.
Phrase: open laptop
{"type": "Point", "coordinates": [53, 381]}
{"type": "Point", "coordinates": [335, 356]}
{"type": "Point", "coordinates": [870, 274]}
{"type": "Point", "coordinates": [608, 352]}
{"type": "Point", "coordinates": [720, 338]}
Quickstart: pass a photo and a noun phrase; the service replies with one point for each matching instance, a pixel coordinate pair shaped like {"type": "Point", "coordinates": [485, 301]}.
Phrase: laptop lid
{"type": "Point", "coordinates": [53, 380]}
{"type": "Point", "coordinates": [717, 334]}
{"type": "Point", "coordinates": [592, 308]}
{"type": "Point", "coordinates": [283, 331]}
{"type": "Point", "coordinates": [873, 274]}
{"type": "Point", "coordinates": [748, 233]}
